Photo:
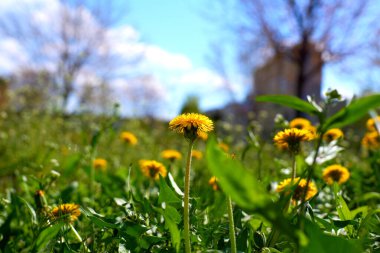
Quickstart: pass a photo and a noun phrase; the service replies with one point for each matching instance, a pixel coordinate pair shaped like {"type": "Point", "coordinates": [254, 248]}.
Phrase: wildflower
{"type": "Point", "coordinates": [203, 136]}
{"type": "Point", "coordinates": [333, 134]}
{"type": "Point", "coordinates": [371, 124]}
{"type": "Point", "coordinates": [191, 125]}
{"type": "Point", "coordinates": [300, 123]}
{"type": "Point", "coordinates": [128, 137]}
{"type": "Point", "coordinates": [100, 163]}
{"type": "Point", "coordinates": [335, 173]}
{"type": "Point", "coordinates": [196, 154]}
{"type": "Point", "coordinates": [214, 183]}
{"type": "Point", "coordinates": [313, 131]}
{"type": "Point", "coordinates": [290, 138]}
{"type": "Point", "coordinates": [68, 212]}
{"type": "Point", "coordinates": [300, 190]}
{"type": "Point", "coordinates": [371, 140]}
{"type": "Point", "coordinates": [153, 169]}
{"type": "Point", "coordinates": [39, 199]}
{"type": "Point", "coordinates": [224, 146]}
{"type": "Point", "coordinates": [171, 154]}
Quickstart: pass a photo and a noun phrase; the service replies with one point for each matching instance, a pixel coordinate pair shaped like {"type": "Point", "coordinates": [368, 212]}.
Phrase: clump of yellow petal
{"type": "Point", "coordinates": [335, 173]}
{"type": "Point", "coordinates": [191, 125]}
{"type": "Point", "coordinates": [290, 139]}
{"type": "Point", "coordinates": [68, 212]}
{"type": "Point", "coordinates": [300, 123]}
{"type": "Point", "coordinates": [153, 169]}
{"type": "Point", "coordinates": [196, 154]}
{"type": "Point", "coordinates": [214, 183]}
{"type": "Point", "coordinates": [371, 124]}
{"type": "Point", "coordinates": [100, 163]}
{"type": "Point", "coordinates": [171, 154]}
{"type": "Point", "coordinates": [333, 134]}
{"type": "Point", "coordinates": [286, 185]}
{"type": "Point", "coordinates": [371, 140]}
{"type": "Point", "coordinates": [128, 137]}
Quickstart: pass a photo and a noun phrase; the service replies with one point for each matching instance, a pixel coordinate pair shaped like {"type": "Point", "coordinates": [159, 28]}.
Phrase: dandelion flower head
{"type": "Point", "coordinates": [371, 140]}
{"type": "Point", "coordinates": [68, 212]}
{"type": "Point", "coordinates": [335, 173]}
{"type": "Point", "coordinates": [371, 124]}
{"type": "Point", "coordinates": [299, 191]}
{"type": "Point", "coordinates": [100, 163]}
{"type": "Point", "coordinates": [171, 154]}
{"type": "Point", "coordinates": [191, 125]}
{"type": "Point", "coordinates": [196, 154]}
{"type": "Point", "coordinates": [291, 138]}
{"type": "Point", "coordinates": [153, 169]}
{"type": "Point", "coordinates": [128, 137]}
{"type": "Point", "coordinates": [333, 134]}
{"type": "Point", "coordinates": [214, 183]}
{"type": "Point", "coordinates": [300, 123]}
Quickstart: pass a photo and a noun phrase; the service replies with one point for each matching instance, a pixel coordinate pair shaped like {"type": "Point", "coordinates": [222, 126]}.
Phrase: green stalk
{"type": "Point", "coordinates": [186, 232]}
{"type": "Point", "coordinates": [294, 167]}
{"type": "Point", "coordinates": [231, 225]}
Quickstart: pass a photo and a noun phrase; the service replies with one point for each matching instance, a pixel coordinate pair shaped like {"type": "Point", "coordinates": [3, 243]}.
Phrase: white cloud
{"type": "Point", "coordinates": [169, 76]}
{"type": "Point", "coordinates": [201, 76]}
{"type": "Point", "coordinates": [161, 58]}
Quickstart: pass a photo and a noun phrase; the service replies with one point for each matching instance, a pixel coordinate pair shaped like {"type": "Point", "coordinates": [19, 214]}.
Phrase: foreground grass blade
{"type": "Point", "coordinates": [290, 101]}
{"type": "Point", "coordinates": [353, 112]}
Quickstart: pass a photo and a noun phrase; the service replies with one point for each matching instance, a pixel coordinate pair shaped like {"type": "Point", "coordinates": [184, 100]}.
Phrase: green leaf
{"type": "Point", "coordinates": [353, 112]}
{"type": "Point", "coordinates": [98, 220]}
{"type": "Point", "coordinates": [171, 225]}
{"type": "Point", "coordinates": [31, 210]}
{"type": "Point", "coordinates": [344, 212]}
{"type": "Point", "coordinates": [167, 195]}
{"type": "Point", "coordinates": [46, 236]}
{"type": "Point", "coordinates": [234, 179]}
{"type": "Point", "coordinates": [290, 101]}
{"type": "Point", "coordinates": [320, 242]}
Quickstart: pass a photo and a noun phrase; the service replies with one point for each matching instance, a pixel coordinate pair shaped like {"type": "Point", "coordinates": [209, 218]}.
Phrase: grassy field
{"type": "Point", "coordinates": [77, 183]}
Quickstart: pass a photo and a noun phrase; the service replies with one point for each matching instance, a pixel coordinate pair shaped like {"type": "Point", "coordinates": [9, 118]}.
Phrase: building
{"type": "Point", "coordinates": [281, 75]}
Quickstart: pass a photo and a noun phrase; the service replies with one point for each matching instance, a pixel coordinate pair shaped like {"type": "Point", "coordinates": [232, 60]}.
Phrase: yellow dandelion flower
{"type": "Point", "coordinates": [171, 154]}
{"type": "Point", "coordinates": [333, 134]}
{"type": "Point", "coordinates": [100, 163]}
{"type": "Point", "coordinates": [335, 173]}
{"type": "Point", "coordinates": [214, 183]}
{"type": "Point", "coordinates": [300, 123]}
{"type": "Point", "coordinates": [371, 140]}
{"type": "Point", "coordinates": [203, 136]}
{"type": "Point", "coordinates": [371, 126]}
{"type": "Point", "coordinates": [313, 131]}
{"type": "Point", "coordinates": [191, 125]}
{"type": "Point", "coordinates": [224, 146]}
{"type": "Point", "coordinates": [128, 137]}
{"type": "Point", "coordinates": [299, 192]}
{"type": "Point", "coordinates": [153, 169]}
{"type": "Point", "coordinates": [196, 154]}
{"type": "Point", "coordinates": [68, 212]}
{"type": "Point", "coordinates": [291, 138]}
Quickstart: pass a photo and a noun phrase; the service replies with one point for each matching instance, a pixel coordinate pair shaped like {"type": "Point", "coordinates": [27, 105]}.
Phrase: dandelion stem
{"type": "Point", "coordinates": [186, 232]}
{"type": "Point", "coordinates": [294, 166]}
{"type": "Point", "coordinates": [232, 225]}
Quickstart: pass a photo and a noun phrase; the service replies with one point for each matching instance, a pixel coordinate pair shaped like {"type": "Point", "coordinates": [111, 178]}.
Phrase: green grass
{"type": "Point", "coordinates": [123, 210]}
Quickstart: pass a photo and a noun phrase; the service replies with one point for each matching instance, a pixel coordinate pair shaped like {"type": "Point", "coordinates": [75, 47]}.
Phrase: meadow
{"type": "Point", "coordinates": [93, 183]}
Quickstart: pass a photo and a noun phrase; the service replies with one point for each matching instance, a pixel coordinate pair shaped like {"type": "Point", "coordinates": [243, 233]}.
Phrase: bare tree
{"type": "Point", "coordinates": [294, 29]}
{"type": "Point", "coordinates": [73, 40]}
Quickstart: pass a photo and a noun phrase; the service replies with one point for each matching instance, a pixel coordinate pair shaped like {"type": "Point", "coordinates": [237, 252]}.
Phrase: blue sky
{"type": "Point", "coordinates": [179, 26]}
{"type": "Point", "coordinates": [175, 38]}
